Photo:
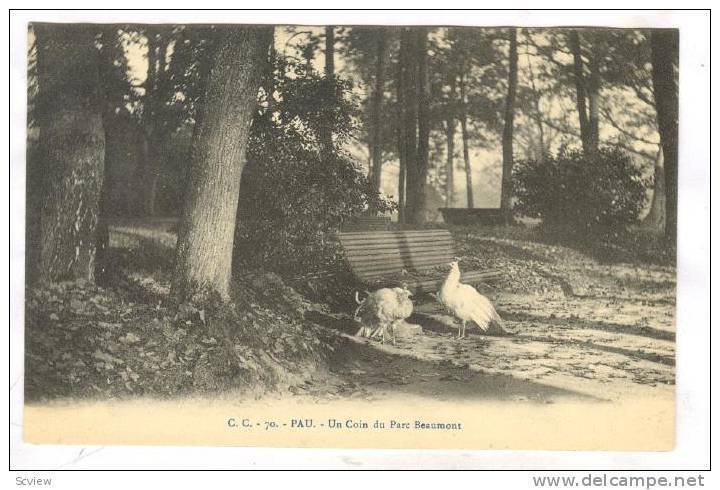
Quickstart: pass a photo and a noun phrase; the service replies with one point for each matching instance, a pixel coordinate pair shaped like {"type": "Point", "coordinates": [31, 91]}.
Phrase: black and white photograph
{"type": "Point", "coordinates": [373, 235]}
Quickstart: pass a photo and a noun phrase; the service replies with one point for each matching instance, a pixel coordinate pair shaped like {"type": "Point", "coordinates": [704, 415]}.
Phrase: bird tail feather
{"type": "Point", "coordinates": [484, 319]}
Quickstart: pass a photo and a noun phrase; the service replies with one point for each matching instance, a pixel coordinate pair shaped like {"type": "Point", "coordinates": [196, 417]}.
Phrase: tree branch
{"type": "Point", "coordinates": [606, 114]}
{"type": "Point", "coordinates": [625, 147]}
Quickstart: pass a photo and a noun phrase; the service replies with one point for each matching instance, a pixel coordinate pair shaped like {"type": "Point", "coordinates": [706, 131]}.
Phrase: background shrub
{"type": "Point", "coordinates": [583, 195]}
{"type": "Point", "coordinates": [294, 193]}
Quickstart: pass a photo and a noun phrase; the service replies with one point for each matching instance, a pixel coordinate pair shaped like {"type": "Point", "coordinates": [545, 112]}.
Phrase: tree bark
{"type": "Point", "coordinates": [72, 143]}
{"type": "Point", "coordinates": [378, 94]}
{"type": "Point", "coordinates": [656, 217]}
{"type": "Point", "coordinates": [466, 144]}
{"type": "Point", "coordinates": [580, 90]}
{"type": "Point", "coordinates": [205, 242]}
{"type": "Point", "coordinates": [507, 140]}
{"type": "Point", "coordinates": [664, 45]}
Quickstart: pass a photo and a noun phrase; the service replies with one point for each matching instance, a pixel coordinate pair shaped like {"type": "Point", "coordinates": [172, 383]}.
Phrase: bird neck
{"type": "Point", "coordinates": [453, 278]}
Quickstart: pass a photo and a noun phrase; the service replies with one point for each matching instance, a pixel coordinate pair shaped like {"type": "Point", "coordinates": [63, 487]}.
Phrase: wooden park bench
{"type": "Point", "coordinates": [417, 258]}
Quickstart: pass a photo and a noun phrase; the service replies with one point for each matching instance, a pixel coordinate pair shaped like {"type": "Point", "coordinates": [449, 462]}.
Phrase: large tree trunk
{"type": "Point", "coordinates": [72, 144]}
{"type": "Point", "coordinates": [580, 91]}
{"type": "Point", "coordinates": [507, 141]}
{"type": "Point", "coordinates": [664, 43]}
{"type": "Point", "coordinates": [205, 242]}
{"type": "Point", "coordinates": [466, 144]}
{"type": "Point", "coordinates": [377, 117]}
{"type": "Point", "coordinates": [419, 185]}
{"type": "Point", "coordinates": [410, 91]}
{"type": "Point", "coordinates": [655, 219]}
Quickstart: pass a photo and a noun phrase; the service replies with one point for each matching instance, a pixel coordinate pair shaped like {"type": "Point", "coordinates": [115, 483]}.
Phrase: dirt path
{"type": "Point", "coordinates": [581, 329]}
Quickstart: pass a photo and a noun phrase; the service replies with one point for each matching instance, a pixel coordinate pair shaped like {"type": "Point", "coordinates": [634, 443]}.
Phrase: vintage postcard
{"type": "Point", "coordinates": [352, 236]}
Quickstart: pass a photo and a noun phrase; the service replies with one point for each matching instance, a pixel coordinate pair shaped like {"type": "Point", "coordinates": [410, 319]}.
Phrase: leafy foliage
{"type": "Point", "coordinates": [581, 193]}
{"type": "Point", "coordinates": [294, 193]}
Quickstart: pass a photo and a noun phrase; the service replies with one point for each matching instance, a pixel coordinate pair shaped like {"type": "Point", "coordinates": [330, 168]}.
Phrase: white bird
{"type": "Point", "coordinates": [384, 308]}
{"type": "Point", "coordinates": [466, 303]}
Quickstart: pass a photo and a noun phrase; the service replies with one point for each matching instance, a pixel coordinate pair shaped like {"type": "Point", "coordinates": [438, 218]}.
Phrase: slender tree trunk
{"type": "Point", "coordinates": [269, 82]}
{"type": "Point", "coordinates": [113, 146]}
{"type": "Point", "coordinates": [155, 89]}
{"type": "Point", "coordinates": [72, 143]}
{"type": "Point", "coordinates": [151, 154]}
{"type": "Point", "coordinates": [656, 217]}
{"type": "Point", "coordinates": [329, 52]}
{"type": "Point", "coordinates": [593, 93]}
{"type": "Point", "coordinates": [378, 94]}
{"type": "Point", "coordinates": [326, 140]}
{"type": "Point", "coordinates": [400, 125]}
{"type": "Point", "coordinates": [466, 143]}
{"type": "Point", "coordinates": [401, 190]}
{"type": "Point", "coordinates": [410, 89]}
{"type": "Point", "coordinates": [450, 162]}
{"type": "Point", "coordinates": [664, 44]}
{"type": "Point", "coordinates": [423, 152]}
{"type": "Point", "coordinates": [450, 126]}
{"type": "Point", "coordinates": [580, 90]}
{"type": "Point", "coordinates": [507, 141]}
{"type": "Point", "coordinates": [205, 242]}
{"type": "Point", "coordinates": [536, 103]}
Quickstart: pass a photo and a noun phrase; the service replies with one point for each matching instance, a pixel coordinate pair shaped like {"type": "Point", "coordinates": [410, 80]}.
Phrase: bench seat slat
{"type": "Point", "coordinates": [417, 266]}
{"type": "Point", "coordinates": [374, 254]}
{"type": "Point", "coordinates": [438, 257]}
{"type": "Point", "coordinates": [352, 234]}
{"type": "Point", "coordinates": [402, 262]}
{"type": "Point", "coordinates": [380, 250]}
{"type": "Point", "coordinates": [397, 241]}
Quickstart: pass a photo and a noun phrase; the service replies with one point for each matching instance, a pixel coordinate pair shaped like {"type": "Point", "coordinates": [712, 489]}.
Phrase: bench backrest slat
{"type": "Point", "coordinates": [375, 254]}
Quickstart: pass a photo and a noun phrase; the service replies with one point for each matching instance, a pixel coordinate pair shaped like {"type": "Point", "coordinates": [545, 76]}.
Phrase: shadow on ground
{"type": "Point", "coordinates": [378, 368]}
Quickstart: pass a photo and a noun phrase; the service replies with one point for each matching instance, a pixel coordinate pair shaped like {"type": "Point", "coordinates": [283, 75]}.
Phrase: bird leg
{"type": "Point", "coordinates": [378, 331]}
{"type": "Point", "coordinates": [461, 330]}
{"type": "Point", "coordinates": [392, 331]}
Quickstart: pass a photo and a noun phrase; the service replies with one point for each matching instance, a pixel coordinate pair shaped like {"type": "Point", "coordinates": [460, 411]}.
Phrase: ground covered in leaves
{"type": "Point", "coordinates": [582, 326]}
